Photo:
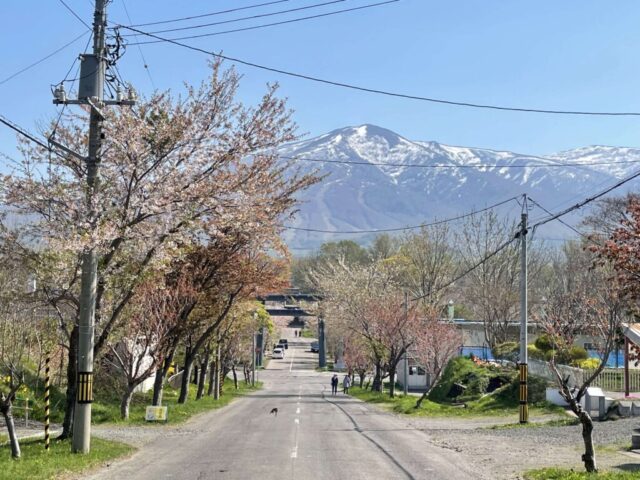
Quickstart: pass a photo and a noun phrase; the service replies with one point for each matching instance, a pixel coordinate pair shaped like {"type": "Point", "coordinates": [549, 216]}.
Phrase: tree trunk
{"type": "Point", "coordinates": [362, 374]}
{"type": "Point", "coordinates": [72, 374]}
{"type": "Point", "coordinates": [589, 456]}
{"type": "Point", "coordinates": [186, 376]}
{"type": "Point", "coordinates": [161, 374]}
{"type": "Point", "coordinates": [203, 375]}
{"type": "Point", "coordinates": [392, 382]}
{"type": "Point", "coordinates": [5, 408]}
{"type": "Point", "coordinates": [212, 378]}
{"type": "Point", "coordinates": [125, 402]}
{"type": "Point", "coordinates": [158, 388]}
{"type": "Point", "coordinates": [377, 379]}
{"type": "Point", "coordinates": [235, 376]}
{"type": "Point", "coordinates": [196, 369]}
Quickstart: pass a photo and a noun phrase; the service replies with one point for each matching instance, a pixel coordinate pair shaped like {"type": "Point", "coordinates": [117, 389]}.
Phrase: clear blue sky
{"type": "Point", "coordinates": [574, 54]}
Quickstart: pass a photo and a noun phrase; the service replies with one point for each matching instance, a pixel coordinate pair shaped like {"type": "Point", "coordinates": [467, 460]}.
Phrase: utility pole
{"type": "Point", "coordinates": [322, 354]}
{"type": "Point", "coordinates": [524, 407]}
{"type": "Point", "coordinates": [253, 360]}
{"type": "Point", "coordinates": [405, 383]}
{"type": "Point", "coordinates": [91, 93]}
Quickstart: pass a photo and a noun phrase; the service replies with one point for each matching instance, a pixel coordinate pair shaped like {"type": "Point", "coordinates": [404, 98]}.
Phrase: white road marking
{"type": "Point", "coordinates": [294, 452]}
{"type": "Point", "coordinates": [298, 411]}
{"type": "Point", "coordinates": [293, 354]}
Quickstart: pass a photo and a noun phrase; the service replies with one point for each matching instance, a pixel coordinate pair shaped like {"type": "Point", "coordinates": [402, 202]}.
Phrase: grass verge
{"type": "Point", "coordinates": [564, 474]}
{"type": "Point", "coordinates": [36, 463]}
{"type": "Point", "coordinates": [109, 411]}
{"type": "Point", "coordinates": [486, 406]}
{"type": "Point", "coordinates": [306, 333]}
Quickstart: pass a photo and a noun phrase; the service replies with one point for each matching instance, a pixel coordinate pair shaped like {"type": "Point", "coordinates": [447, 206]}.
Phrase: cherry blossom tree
{"type": "Point", "coordinates": [147, 336]}
{"type": "Point", "coordinates": [440, 343]}
{"type": "Point", "coordinates": [174, 171]}
{"type": "Point", "coordinates": [585, 299]}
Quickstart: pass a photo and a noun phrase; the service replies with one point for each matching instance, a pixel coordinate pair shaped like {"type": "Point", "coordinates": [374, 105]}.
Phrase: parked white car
{"type": "Point", "coordinates": [278, 353]}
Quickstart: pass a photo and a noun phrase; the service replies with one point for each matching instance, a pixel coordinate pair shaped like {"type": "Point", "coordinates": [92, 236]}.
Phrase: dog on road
{"type": "Point", "coordinates": [274, 412]}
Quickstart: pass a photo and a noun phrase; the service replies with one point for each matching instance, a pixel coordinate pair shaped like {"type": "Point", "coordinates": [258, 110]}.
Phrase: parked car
{"type": "Point", "coordinates": [284, 342]}
{"type": "Point", "coordinates": [278, 353]}
{"type": "Point", "coordinates": [315, 347]}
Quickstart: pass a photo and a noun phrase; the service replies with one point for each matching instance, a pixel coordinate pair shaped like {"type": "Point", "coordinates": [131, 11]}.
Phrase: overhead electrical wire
{"type": "Point", "coordinates": [211, 14]}
{"type": "Point", "coordinates": [586, 201]}
{"type": "Point", "coordinates": [46, 57]}
{"type": "Point", "coordinates": [453, 165]}
{"type": "Point", "coordinates": [283, 22]}
{"type": "Point", "coordinates": [144, 60]}
{"type": "Point", "coordinates": [379, 91]}
{"type": "Point", "coordinates": [400, 229]}
{"type": "Point", "coordinates": [566, 224]}
{"type": "Point", "coordinates": [251, 17]}
{"type": "Point", "coordinates": [484, 260]}
{"type": "Point", "coordinates": [75, 14]}
{"type": "Point", "coordinates": [17, 128]}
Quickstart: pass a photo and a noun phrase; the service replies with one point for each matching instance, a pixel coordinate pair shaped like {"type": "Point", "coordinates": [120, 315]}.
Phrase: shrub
{"type": "Point", "coordinates": [507, 350]}
{"type": "Point", "coordinates": [578, 353]}
{"type": "Point", "coordinates": [589, 363]}
{"type": "Point", "coordinates": [545, 343]}
{"type": "Point", "coordinates": [536, 390]}
{"type": "Point", "coordinates": [534, 352]}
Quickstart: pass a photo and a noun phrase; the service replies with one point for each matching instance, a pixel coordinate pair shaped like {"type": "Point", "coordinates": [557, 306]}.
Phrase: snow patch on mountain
{"type": "Point", "coordinates": [393, 182]}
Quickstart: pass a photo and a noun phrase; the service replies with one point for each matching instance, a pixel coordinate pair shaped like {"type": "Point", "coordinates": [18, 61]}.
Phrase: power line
{"type": "Point", "coordinates": [586, 200]}
{"type": "Point", "coordinates": [453, 165]}
{"type": "Point", "coordinates": [300, 19]}
{"type": "Point", "coordinates": [568, 225]}
{"type": "Point", "coordinates": [144, 60]}
{"type": "Point", "coordinates": [38, 62]}
{"type": "Point", "coordinates": [400, 229]}
{"type": "Point", "coordinates": [74, 14]}
{"type": "Point", "coordinates": [471, 269]}
{"type": "Point", "coordinates": [233, 20]}
{"type": "Point", "coordinates": [23, 132]}
{"type": "Point", "coordinates": [160, 22]}
{"type": "Point", "coordinates": [378, 91]}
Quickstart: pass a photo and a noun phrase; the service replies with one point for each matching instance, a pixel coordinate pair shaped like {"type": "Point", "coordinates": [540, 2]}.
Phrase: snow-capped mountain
{"type": "Point", "coordinates": [393, 182]}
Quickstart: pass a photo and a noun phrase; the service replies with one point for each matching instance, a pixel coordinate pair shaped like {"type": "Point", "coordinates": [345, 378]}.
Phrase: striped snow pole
{"type": "Point", "coordinates": [47, 391]}
{"type": "Point", "coordinates": [524, 406]}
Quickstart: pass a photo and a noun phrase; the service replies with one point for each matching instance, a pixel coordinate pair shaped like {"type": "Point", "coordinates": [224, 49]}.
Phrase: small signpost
{"type": "Point", "coordinates": [156, 414]}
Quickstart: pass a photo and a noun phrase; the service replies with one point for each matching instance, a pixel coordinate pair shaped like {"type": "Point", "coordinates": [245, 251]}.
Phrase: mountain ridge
{"type": "Point", "coordinates": [403, 182]}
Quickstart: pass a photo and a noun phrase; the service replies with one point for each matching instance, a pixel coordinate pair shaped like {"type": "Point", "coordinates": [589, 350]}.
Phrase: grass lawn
{"type": "Point", "coordinates": [486, 406]}
{"type": "Point", "coordinates": [306, 333]}
{"type": "Point", "coordinates": [107, 410]}
{"type": "Point", "coordinates": [36, 463]}
{"type": "Point", "coordinates": [563, 474]}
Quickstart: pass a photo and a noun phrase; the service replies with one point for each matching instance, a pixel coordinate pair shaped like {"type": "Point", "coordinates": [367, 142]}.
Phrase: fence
{"type": "Point", "coordinates": [25, 408]}
{"type": "Point", "coordinates": [610, 379]}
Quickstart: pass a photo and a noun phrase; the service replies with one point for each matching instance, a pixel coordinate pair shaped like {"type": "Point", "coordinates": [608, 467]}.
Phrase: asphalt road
{"type": "Point", "coordinates": [314, 436]}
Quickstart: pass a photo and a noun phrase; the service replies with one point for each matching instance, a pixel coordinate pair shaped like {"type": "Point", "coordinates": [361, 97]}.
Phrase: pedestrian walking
{"type": "Point", "coordinates": [295, 333]}
{"type": "Point", "coordinates": [346, 383]}
{"type": "Point", "coordinates": [334, 384]}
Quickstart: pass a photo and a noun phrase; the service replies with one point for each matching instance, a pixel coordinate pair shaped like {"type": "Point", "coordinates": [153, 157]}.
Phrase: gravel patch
{"type": "Point", "coordinates": [507, 452]}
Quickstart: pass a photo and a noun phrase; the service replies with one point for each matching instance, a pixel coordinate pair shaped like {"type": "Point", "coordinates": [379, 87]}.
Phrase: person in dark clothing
{"type": "Point", "coordinates": [334, 384]}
